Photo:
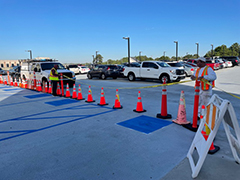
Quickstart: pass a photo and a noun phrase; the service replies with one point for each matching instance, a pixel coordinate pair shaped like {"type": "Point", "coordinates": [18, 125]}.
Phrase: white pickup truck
{"type": "Point", "coordinates": [154, 70]}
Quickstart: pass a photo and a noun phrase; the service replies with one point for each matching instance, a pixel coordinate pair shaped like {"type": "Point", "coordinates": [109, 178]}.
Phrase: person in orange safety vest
{"type": "Point", "coordinates": [204, 73]}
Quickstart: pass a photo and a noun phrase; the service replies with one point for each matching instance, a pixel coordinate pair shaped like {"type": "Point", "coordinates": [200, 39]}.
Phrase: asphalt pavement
{"type": "Point", "coordinates": [45, 137]}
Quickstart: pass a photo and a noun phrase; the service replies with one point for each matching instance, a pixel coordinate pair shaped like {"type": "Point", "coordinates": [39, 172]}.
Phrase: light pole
{"type": "Point", "coordinates": [164, 54]}
{"type": "Point", "coordinates": [140, 55]}
{"type": "Point", "coordinates": [96, 56]}
{"type": "Point", "coordinates": [176, 49]}
{"type": "Point", "coordinates": [128, 38]}
{"type": "Point", "coordinates": [197, 49]}
{"type": "Point", "coordinates": [30, 53]}
{"type": "Point", "coordinates": [212, 50]}
{"type": "Point", "coordinates": [93, 59]}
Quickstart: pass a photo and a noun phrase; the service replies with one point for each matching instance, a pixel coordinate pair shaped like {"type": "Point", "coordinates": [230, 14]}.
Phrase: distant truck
{"type": "Point", "coordinates": [154, 70]}
{"type": "Point", "coordinates": [42, 70]}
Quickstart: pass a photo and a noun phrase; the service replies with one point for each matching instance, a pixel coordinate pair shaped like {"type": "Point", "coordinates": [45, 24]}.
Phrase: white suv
{"type": "Point", "coordinates": [42, 70]}
{"type": "Point", "coordinates": [83, 69]}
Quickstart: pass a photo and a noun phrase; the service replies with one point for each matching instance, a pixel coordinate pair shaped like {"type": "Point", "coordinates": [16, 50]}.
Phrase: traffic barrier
{"type": "Point", "coordinates": [102, 99]}
{"type": "Point", "coordinates": [80, 97]}
{"type": "Point", "coordinates": [194, 126]}
{"type": "Point", "coordinates": [11, 81]}
{"type": "Point", "coordinates": [181, 117]}
{"type": "Point", "coordinates": [217, 111]}
{"type": "Point", "coordinates": [139, 107]}
{"type": "Point", "coordinates": [164, 114]}
{"type": "Point", "coordinates": [117, 104]}
{"type": "Point", "coordinates": [46, 87]}
{"type": "Point", "coordinates": [50, 87]}
{"type": "Point", "coordinates": [68, 95]}
{"type": "Point", "coordinates": [58, 89]}
{"type": "Point", "coordinates": [90, 98]}
{"type": "Point", "coordinates": [74, 94]}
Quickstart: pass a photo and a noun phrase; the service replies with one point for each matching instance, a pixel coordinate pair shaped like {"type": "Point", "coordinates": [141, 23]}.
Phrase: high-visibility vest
{"type": "Point", "coordinates": [204, 84]}
{"type": "Point", "coordinates": [52, 77]}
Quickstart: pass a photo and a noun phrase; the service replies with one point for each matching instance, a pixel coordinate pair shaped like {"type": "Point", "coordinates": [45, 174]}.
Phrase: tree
{"type": "Point", "coordinates": [98, 59]}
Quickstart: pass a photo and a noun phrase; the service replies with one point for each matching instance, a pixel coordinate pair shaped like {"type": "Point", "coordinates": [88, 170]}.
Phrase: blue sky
{"type": "Point", "coordinates": [73, 30]}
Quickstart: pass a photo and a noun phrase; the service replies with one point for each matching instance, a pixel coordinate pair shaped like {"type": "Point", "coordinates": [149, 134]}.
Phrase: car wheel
{"type": "Point", "coordinates": [166, 77]}
{"type": "Point", "coordinates": [131, 77]}
{"type": "Point", "coordinates": [89, 76]}
{"type": "Point", "coordinates": [103, 76]}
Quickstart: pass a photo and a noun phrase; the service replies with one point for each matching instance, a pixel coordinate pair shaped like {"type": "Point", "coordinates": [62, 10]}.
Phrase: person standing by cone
{"type": "Point", "coordinates": [54, 78]}
{"type": "Point", "coordinates": [205, 75]}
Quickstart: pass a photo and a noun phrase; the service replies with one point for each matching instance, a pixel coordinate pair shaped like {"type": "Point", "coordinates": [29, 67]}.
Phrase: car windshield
{"type": "Point", "coordinates": [175, 64]}
{"type": "Point", "coordinates": [163, 64]}
{"type": "Point", "coordinates": [49, 66]}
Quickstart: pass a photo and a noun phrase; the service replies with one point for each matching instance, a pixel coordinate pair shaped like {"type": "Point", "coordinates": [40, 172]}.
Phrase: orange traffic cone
{"type": "Point", "coordinates": [11, 81]}
{"type": "Point", "coordinates": [181, 117]}
{"type": "Point", "coordinates": [46, 87]}
{"type": "Point", "coordinates": [117, 104]}
{"type": "Point", "coordinates": [74, 94]}
{"type": "Point", "coordinates": [90, 98]}
{"type": "Point", "coordinates": [39, 86]}
{"type": "Point", "coordinates": [139, 107]}
{"type": "Point", "coordinates": [68, 95]}
{"type": "Point", "coordinates": [15, 83]}
{"type": "Point", "coordinates": [102, 99]}
{"type": "Point", "coordinates": [50, 88]}
{"type": "Point", "coordinates": [1, 81]}
{"type": "Point", "coordinates": [58, 89]}
{"type": "Point", "coordinates": [5, 81]}
{"type": "Point", "coordinates": [164, 114]}
{"type": "Point", "coordinates": [20, 83]}
{"type": "Point", "coordinates": [80, 93]}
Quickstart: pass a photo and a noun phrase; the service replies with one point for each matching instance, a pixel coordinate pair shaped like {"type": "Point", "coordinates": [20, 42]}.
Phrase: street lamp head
{"type": "Point", "coordinates": [196, 43]}
{"type": "Point", "coordinates": [175, 41]}
{"type": "Point", "coordinates": [126, 38]}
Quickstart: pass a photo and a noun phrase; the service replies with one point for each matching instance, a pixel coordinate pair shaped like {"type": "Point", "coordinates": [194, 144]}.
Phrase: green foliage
{"type": "Point", "coordinates": [223, 50]}
{"type": "Point", "coordinates": [98, 59]}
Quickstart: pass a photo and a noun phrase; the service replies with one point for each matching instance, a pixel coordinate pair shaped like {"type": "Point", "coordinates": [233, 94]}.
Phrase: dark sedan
{"type": "Point", "coordinates": [104, 71]}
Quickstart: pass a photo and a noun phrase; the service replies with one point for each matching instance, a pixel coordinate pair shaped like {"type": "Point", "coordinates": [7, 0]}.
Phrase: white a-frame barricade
{"type": "Point", "coordinates": [218, 110]}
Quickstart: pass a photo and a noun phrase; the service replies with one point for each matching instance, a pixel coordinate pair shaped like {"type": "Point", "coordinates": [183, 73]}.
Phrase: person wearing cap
{"type": "Point", "coordinates": [204, 74]}
{"type": "Point", "coordinates": [54, 77]}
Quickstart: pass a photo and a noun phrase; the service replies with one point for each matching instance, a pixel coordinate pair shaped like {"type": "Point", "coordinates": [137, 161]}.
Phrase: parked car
{"type": "Point", "coordinates": [228, 63]}
{"type": "Point", "coordinates": [189, 69]}
{"type": "Point", "coordinates": [120, 69]}
{"type": "Point", "coordinates": [222, 63]}
{"type": "Point", "coordinates": [15, 72]}
{"type": "Point", "coordinates": [133, 64]}
{"type": "Point", "coordinates": [234, 59]}
{"type": "Point", "coordinates": [2, 72]}
{"type": "Point", "coordinates": [103, 71]}
{"type": "Point", "coordinates": [192, 61]}
{"type": "Point", "coordinates": [211, 63]}
{"type": "Point", "coordinates": [74, 68]}
{"type": "Point", "coordinates": [83, 69]}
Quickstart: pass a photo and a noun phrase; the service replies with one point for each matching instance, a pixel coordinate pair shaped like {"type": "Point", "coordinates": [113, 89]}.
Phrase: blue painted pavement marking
{"type": "Point", "coordinates": [145, 124]}
{"type": "Point", "coordinates": [62, 102]}
{"type": "Point", "coordinates": [37, 96]}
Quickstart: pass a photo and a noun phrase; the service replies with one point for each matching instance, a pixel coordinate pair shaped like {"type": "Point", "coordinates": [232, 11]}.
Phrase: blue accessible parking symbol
{"type": "Point", "coordinates": [145, 124]}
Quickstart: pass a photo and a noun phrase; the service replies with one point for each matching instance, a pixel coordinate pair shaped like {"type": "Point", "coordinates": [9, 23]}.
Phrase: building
{"type": "Point", "coordinates": [8, 64]}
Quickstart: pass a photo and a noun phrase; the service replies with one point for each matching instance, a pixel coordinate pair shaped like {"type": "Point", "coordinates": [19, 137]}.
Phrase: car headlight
{"type": "Point", "coordinates": [173, 71]}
